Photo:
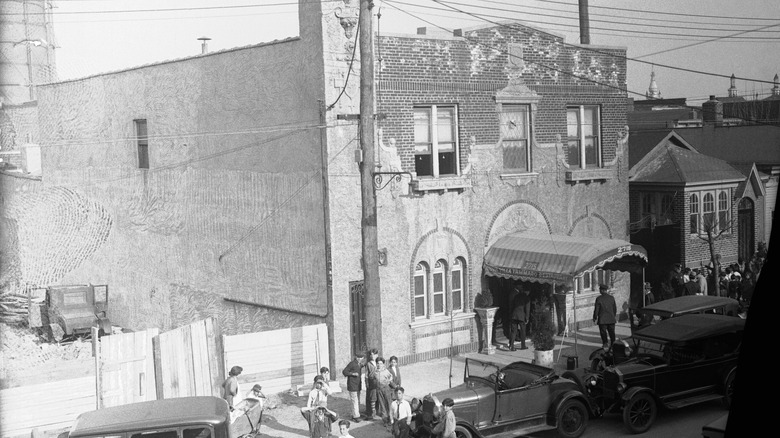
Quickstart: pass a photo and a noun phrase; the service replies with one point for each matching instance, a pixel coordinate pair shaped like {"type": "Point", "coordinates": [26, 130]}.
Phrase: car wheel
{"type": "Point", "coordinates": [728, 390]}
{"type": "Point", "coordinates": [572, 419]}
{"type": "Point", "coordinates": [462, 432]}
{"type": "Point", "coordinates": [639, 413]}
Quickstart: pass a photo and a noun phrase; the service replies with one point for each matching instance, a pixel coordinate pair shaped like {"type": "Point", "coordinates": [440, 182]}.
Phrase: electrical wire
{"type": "Point", "coordinates": [349, 71]}
{"type": "Point", "coordinates": [665, 13]}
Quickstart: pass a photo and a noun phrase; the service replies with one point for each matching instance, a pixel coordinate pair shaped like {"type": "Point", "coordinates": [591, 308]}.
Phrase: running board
{"type": "Point", "coordinates": [692, 401]}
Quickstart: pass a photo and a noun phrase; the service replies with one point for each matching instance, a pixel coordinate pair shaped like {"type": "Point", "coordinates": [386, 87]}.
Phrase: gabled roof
{"type": "Point", "coordinates": [674, 161]}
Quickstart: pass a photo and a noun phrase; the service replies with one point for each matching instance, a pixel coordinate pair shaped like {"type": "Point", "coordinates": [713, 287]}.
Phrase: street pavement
{"type": "Point", "coordinates": [282, 418]}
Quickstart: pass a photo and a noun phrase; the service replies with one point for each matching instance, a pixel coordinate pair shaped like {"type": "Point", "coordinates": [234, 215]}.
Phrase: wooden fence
{"type": "Point", "coordinates": [46, 406]}
{"type": "Point", "coordinates": [125, 368]}
{"type": "Point", "coordinates": [279, 359]}
{"type": "Point", "coordinates": [188, 361]}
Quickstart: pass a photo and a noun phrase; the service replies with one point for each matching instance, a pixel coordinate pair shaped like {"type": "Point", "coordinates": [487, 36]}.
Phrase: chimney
{"type": "Point", "coordinates": [733, 87]}
{"type": "Point", "coordinates": [204, 47]}
{"type": "Point", "coordinates": [712, 112]}
{"type": "Point", "coordinates": [584, 23]}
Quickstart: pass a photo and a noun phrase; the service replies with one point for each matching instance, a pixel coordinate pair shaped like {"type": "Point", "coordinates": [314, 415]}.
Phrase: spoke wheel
{"type": "Point", "coordinates": [729, 388]}
{"type": "Point", "coordinates": [639, 413]}
{"type": "Point", "coordinates": [572, 419]}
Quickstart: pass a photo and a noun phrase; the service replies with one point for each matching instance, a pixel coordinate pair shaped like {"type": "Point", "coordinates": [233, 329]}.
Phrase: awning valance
{"type": "Point", "coordinates": [551, 258]}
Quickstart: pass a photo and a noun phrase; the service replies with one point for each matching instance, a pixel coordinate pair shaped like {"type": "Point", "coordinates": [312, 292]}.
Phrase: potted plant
{"type": "Point", "coordinates": [543, 333]}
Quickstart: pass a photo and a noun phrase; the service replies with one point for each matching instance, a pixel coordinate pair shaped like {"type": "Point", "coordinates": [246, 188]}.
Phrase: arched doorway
{"type": "Point", "coordinates": [746, 223]}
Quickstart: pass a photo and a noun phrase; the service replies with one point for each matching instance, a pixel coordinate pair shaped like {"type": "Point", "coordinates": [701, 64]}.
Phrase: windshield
{"type": "Point", "coordinates": [481, 370]}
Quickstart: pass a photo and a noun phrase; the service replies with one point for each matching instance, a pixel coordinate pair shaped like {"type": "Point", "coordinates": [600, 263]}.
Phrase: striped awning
{"type": "Point", "coordinates": [552, 258]}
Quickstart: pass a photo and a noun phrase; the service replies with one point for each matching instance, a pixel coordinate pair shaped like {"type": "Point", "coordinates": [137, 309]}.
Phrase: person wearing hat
{"type": "Point", "coordinates": [230, 385]}
{"type": "Point", "coordinates": [604, 314]}
{"type": "Point", "coordinates": [446, 427]}
{"type": "Point", "coordinates": [521, 312]}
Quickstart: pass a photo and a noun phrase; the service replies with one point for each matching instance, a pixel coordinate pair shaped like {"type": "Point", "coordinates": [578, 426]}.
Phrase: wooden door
{"type": "Point", "coordinates": [746, 229]}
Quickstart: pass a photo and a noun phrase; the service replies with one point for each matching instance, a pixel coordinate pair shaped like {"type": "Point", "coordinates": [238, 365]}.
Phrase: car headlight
{"type": "Point", "coordinates": [592, 381]}
{"type": "Point", "coordinates": [621, 387]}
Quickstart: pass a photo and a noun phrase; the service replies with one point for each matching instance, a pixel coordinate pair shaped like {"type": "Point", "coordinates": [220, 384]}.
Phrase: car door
{"type": "Point", "coordinates": [522, 403]}
{"type": "Point", "coordinates": [688, 374]}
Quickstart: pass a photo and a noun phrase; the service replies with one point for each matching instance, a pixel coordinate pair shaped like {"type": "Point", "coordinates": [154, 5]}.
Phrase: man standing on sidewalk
{"type": "Point", "coordinates": [521, 311]}
{"type": "Point", "coordinates": [353, 372]}
{"type": "Point", "coordinates": [604, 314]}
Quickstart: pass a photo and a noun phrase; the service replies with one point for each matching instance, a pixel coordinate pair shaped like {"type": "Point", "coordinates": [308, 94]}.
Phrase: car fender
{"type": "Point", "coordinates": [596, 353]}
{"type": "Point", "coordinates": [630, 392]}
{"type": "Point", "coordinates": [468, 426]}
{"type": "Point", "coordinates": [552, 411]}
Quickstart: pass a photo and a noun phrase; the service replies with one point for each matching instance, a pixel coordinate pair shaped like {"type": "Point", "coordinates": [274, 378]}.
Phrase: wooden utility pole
{"type": "Point", "coordinates": [368, 225]}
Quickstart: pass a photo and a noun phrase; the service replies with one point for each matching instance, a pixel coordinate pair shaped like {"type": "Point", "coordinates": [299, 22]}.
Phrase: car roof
{"type": "Point", "coordinates": [688, 304]}
{"type": "Point", "coordinates": [690, 327]}
{"type": "Point", "coordinates": [172, 412]}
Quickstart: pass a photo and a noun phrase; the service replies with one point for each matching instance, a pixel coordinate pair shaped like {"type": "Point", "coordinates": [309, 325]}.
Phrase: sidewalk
{"type": "Point", "coordinates": [282, 418]}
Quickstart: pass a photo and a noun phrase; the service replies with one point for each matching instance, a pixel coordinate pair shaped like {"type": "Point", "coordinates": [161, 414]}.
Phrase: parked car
{"type": "Point", "coordinates": [679, 361]}
{"type": "Point", "coordinates": [183, 417]}
{"type": "Point", "coordinates": [69, 310]}
{"type": "Point", "coordinates": [623, 349]}
{"type": "Point", "coordinates": [502, 401]}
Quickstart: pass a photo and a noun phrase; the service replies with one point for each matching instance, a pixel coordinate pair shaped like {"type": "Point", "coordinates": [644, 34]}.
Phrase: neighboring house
{"type": "Point", "coordinates": [676, 195]}
{"type": "Point", "coordinates": [749, 148]}
{"type": "Point", "coordinates": [225, 184]}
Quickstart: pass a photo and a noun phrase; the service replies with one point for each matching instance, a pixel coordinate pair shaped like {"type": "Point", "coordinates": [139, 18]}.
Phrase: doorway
{"type": "Point", "coordinates": [357, 311]}
{"type": "Point", "coordinates": [746, 224]}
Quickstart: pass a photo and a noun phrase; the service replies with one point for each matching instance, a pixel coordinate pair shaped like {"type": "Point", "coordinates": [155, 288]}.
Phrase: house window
{"type": "Point", "coordinates": [583, 127]}
{"type": "Point", "coordinates": [457, 285]}
{"type": "Point", "coordinates": [648, 209]}
{"type": "Point", "coordinates": [435, 141]}
{"type": "Point", "coordinates": [143, 143]}
{"type": "Point", "coordinates": [693, 202]}
{"type": "Point", "coordinates": [438, 288]}
{"type": "Point", "coordinates": [724, 211]}
{"type": "Point", "coordinates": [515, 124]}
{"type": "Point", "coordinates": [421, 291]}
{"type": "Point", "coordinates": [591, 281]}
{"type": "Point", "coordinates": [667, 210]}
{"type": "Point", "coordinates": [708, 211]}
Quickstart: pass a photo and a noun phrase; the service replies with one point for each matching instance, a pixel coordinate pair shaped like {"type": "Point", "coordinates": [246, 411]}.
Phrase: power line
{"type": "Point", "coordinates": [667, 13]}
{"type": "Point", "coordinates": [626, 57]}
{"type": "Point", "coordinates": [704, 42]}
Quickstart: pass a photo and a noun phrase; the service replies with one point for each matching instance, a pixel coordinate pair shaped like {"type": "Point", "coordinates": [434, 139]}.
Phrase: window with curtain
{"type": "Point", "coordinates": [435, 140]}
{"type": "Point", "coordinates": [724, 211]}
{"type": "Point", "coordinates": [708, 212]}
{"type": "Point", "coordinates": [515, 133]}
{"type": "Point", "coordinates": [583, 128]}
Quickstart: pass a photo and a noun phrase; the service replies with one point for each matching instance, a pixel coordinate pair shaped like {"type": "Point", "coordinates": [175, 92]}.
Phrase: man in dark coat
{"type": "Point", "coordinates": [521, 312]}
{"type": "Point", "coordinates": [353, 372]}
{"type": "Point", "coordinates": [604, 314]}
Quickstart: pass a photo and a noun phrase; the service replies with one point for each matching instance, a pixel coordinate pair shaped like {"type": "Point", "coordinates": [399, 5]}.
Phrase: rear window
{"type": "Point", "coordinates": [156, 434]}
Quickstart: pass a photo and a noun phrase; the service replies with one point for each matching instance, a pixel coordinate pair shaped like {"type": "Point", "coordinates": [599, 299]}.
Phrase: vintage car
{"type": "Point", "coordinates": [648, 315]}
{"type": "Point", "coordinates": [68, 311]}
{"type": "Point", "coordinates": [680, 361]}
{"type": "Point", "coordinates": [515, 399]}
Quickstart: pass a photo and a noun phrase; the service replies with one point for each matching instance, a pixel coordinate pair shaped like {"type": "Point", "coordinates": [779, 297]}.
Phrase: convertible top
{"type": "Point", "coordinates": [690, 327]}
{"type": "Point", "coordinates": [688, 304]}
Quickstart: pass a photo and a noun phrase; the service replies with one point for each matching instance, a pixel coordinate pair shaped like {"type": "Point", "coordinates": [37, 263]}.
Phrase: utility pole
{"type": "Point", "coordinates": [368, 225]}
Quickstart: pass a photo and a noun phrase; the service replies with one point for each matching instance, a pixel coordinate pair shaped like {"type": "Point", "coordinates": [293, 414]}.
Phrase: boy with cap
{"type": "Point", "coordinates": [446, 427]}
{"type": "Point", "coordinates": [604, 313]}
{"type": "Point", "coordinates": [320, 419]}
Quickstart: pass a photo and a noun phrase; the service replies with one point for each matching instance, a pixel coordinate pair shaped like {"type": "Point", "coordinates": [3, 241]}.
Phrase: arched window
{"type": "Point", "coordinates": [693, 202]}
{"type": "Point", "coordinates": [439, 288]}
{"type": "Point", "coordinates": [724, 211]}
{"type": "Point", "coordinates": [421, 290]}
{"type": "Point", "coordinates": [708, 210]}
{"type": "Point", "coordinates": [458, 284]}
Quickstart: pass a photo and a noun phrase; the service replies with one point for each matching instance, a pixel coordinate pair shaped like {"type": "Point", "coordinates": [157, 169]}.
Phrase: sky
{"type": "Point", "coordinates": [709, 37]}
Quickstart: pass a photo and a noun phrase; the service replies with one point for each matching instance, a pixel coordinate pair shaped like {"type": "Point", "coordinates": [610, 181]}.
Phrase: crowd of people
{"type": "Point", "coordinates": [737, 281]}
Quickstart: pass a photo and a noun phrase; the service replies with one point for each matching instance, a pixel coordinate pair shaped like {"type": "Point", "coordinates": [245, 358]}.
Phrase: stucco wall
{"type": "Point", "coordinates": [231, 206]}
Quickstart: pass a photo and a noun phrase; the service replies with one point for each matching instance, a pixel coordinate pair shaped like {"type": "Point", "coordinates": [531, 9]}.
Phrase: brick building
{"type": "Point", "coordinates": [225, 184]}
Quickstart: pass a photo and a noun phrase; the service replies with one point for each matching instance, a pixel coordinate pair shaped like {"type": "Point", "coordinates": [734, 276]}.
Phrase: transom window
{"type": "Point", "coordinates": [515, 133]}
{"type": "Point", "coordinates": [435, 140]}
{"type": "Point", "coordinates": [583, 127]}
{"type": "Point", "coordinates": [439, 290]}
